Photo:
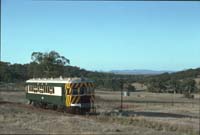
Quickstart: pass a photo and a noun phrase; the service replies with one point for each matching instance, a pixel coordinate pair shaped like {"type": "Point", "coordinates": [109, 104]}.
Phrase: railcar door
{"type": "Point", "coordinates": [68, 95]}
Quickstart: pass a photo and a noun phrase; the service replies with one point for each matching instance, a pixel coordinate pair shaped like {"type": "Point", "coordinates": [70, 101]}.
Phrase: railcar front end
{"type": "Point", "coordinates": [71, 94]}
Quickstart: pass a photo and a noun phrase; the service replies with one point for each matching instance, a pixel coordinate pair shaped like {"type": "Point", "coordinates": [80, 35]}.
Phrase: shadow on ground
{"type": "Point", "coordinates": [160, 114]}
{"type": "Point", "coordinates": [151, 114]}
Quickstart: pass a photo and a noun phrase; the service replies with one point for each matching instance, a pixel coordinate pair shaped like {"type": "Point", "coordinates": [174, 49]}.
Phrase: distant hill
{"type": "Point", "coordinates": [139, 72]}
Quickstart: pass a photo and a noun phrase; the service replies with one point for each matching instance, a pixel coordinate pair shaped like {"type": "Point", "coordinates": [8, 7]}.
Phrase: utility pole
{"type": "Point", "coordinates": [121, 86]}
{"type": "Point", "coordinates": [199, 111]}
{"type": "Point", "coordinates": [174, 97]}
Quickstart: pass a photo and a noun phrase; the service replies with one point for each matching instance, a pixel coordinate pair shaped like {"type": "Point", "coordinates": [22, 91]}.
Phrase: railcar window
{"type": "Point", "coordinates": [83, 90]}
{"type": "Point", "coordinates": [51, 90]}
{"type": "Point", "coordinates": [45, 89]}
{"type": "Point", "coordinates": [30, 88]}
{"type": "Point", "coordinates": [48, 88]}
{"type": "Point", "coordinates": [35, 89]}
{"type": "Point", "coordinates": [41, 89]}
{"type": "Point", "coordinates": [74, 92]}
{"type": "Point", "coordinates": [86, 90]}
{"type": "Point", "coordinates": [89, 90]}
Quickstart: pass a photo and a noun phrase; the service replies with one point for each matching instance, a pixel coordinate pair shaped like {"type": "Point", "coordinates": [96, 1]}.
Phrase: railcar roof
{"type": "Point", "coordinates": [58, 80]}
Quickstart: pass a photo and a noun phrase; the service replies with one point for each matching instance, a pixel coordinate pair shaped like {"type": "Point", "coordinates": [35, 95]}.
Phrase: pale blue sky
{"type": "Point", "coordinates": [104, 35]}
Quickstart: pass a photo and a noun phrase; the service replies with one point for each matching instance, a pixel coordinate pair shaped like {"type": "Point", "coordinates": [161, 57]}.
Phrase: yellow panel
{"type": "Point", "coordinates": [73, 99]}
{"type": "Point", "coordinates": [77, 100]}
{"type": "Point", "coordinates": [77, 85]}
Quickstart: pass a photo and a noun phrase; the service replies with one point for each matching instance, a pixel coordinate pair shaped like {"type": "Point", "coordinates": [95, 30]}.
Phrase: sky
{"type": "Point", "coordinates": [104, 35]}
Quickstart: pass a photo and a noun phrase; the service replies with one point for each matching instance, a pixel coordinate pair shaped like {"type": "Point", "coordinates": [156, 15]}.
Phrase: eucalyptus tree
{"type": "Point", "coordinates": [48, 64]}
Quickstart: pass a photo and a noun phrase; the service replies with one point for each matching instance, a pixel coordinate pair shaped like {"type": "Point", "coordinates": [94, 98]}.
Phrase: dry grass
{"type": "Point", "coordinates": [158, 125]}
{"type": "Point", "coordinates": [154, 111]}
{"type": "Point", "coordinates": [144, 114]}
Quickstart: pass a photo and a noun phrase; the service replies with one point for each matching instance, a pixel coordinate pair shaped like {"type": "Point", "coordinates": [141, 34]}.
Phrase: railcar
{"type": "Point", "coordinates": [70, 94]}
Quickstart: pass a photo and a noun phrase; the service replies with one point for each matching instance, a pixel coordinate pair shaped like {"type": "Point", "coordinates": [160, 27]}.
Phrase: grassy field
{"type": "Point", "coordinates": [143, 114]}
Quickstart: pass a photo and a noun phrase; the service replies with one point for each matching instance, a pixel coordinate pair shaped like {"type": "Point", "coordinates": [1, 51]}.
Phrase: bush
{"type": "Point", "coordinates": [131, 88]}
{"type": "Point", "coordinates": [188, 95]}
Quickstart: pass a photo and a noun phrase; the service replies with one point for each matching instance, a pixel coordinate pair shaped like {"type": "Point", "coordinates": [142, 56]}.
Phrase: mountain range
{"type": "Point", "coordinates": [140, 72]}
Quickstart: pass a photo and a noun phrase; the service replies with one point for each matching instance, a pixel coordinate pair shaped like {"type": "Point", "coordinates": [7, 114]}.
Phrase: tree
{"type": "Point", "coordinates": [12, 72]}
{"type": "Point", "coordinates": [5, 72]}
{"type": "Point", "coordinates": [131, 88]}
{"type": "Point", "coordinates": [174, 85]}
{"type": "Point", "coordinates": [49, 58]}
{"type": "Point", "coordinates": [188, 86]}
{"type": "Point", "coordinates": [50, 64]}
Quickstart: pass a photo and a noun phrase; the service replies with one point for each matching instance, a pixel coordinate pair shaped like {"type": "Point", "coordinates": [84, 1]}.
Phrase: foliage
{"type": "Point", "coordinates": [12, 73]}
{"type": "Point", "coordinates": [47, 64]}
{"type": "Point", "coordinates": [131, 88]}
{"type": "Point", "coordinates": [52, 64]}
{"type": "Point", "coordinates": [173, 82]}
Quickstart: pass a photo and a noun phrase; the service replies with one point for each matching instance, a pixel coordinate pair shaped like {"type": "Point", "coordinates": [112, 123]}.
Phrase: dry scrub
{"type": "Point", "coordinates": [139, 117]}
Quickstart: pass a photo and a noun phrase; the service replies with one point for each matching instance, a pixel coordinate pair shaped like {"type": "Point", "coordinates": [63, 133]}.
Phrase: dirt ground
{"type": "Point", "coordinates": [143, 114]}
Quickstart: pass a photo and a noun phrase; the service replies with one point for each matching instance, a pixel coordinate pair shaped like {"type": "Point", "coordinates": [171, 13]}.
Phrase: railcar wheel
{"type": "Point", "coordinates": [43, 105]}
{"type": "Point", "coordinates": [69, 110]}
{"type": "Point", "coordinates": [55, 107]}
{"type": "Point", "coordinates": [83, 112]}
{"type": "Point", "coordinates": [35, 104]}
{"type": "Point", "coordinates": [77, 110]}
